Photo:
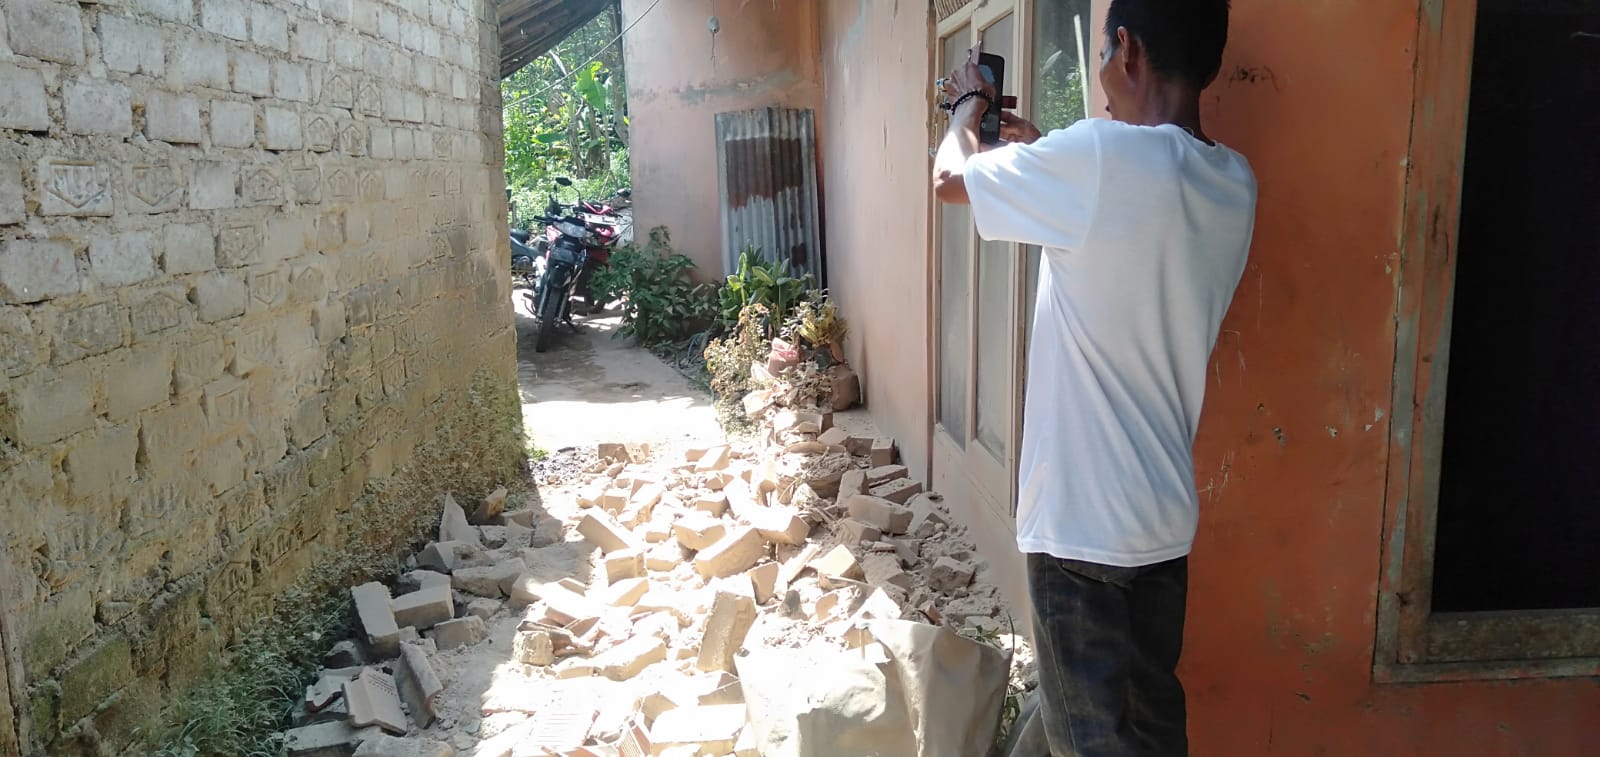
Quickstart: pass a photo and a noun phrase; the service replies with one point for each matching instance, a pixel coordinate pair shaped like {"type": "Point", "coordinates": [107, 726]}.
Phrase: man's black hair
{"type": "Point", "coordinates": [1183, 38]}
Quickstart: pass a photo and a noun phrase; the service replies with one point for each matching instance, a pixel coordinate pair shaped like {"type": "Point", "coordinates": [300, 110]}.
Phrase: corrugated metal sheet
{"type": "Point", "coordinates": [767, 176]}
{"type": "Point", "coordinates": [947, 8]}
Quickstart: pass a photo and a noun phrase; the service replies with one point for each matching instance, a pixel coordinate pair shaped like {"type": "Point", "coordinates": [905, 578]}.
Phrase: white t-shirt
{"type": "Point", "coordinates": [1145, 231]}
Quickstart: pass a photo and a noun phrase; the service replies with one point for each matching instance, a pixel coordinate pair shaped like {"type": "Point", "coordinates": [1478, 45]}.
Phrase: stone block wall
{"type": "Point", "coordinates": [251, 256]}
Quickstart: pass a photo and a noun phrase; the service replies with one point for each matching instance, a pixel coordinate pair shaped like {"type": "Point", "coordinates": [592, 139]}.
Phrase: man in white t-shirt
{"type": "Point", "coordinates": [1145, 224]}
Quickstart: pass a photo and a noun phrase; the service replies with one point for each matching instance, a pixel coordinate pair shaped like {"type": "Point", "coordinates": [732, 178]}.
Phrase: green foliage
{"type": "Point", "coordinates": [564, 122]}
{"type": "Point", "coordinates": [815, 320]}
{"type": "Point", "coordinates": [661, 303]}
{"type": "Point", "coordinates": [759, 282]}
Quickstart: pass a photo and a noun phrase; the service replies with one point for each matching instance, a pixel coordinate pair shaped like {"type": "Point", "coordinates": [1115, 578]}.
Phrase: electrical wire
{"type": "Point", "coordinates": [591, 59]}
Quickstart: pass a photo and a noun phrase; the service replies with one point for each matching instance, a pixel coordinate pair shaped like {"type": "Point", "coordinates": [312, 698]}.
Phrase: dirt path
{"type": "Point", "coordinates": [589, 387]}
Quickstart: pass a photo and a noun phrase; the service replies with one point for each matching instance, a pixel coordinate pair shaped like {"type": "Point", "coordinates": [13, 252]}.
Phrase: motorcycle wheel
{"type": "Point", "coordinates": [549, 316]}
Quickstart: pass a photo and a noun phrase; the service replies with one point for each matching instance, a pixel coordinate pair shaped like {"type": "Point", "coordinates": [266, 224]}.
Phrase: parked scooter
{"type": "Point", "coordinates": [565, 257]}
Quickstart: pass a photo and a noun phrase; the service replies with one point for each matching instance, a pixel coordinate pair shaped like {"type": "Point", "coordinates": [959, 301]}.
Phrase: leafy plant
{"type": "Point", "coordinates": [661, 303]}
{"type": "Point", "coordinates": [758, 282]}
{"type": "Point", "coordinates": [817, 322]}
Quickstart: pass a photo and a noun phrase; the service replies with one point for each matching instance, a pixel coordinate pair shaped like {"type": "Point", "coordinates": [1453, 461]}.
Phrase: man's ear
{"type": "Point", "coordinates": [1129, 45]}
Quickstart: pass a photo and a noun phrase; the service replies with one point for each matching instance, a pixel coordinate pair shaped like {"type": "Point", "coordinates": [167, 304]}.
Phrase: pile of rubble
{"type": "Point", "coordinates": [622, 627]}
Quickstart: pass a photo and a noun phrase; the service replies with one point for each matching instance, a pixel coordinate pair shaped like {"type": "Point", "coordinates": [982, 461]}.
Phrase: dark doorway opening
{"type": "Point", "coordinates": [1519, 490]}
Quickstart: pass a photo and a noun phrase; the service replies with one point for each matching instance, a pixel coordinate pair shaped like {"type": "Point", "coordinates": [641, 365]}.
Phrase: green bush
{"type": "Point", "coordinates": [661, 303]}
{"type": "Point", "coordinates": [772, 285]}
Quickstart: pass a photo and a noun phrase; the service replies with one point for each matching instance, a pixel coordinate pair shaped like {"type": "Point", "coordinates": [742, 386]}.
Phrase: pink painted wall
{"type": "Point", "coordinates": [875, 165]}
{"type": "Point", "coordinates": [680, 77]}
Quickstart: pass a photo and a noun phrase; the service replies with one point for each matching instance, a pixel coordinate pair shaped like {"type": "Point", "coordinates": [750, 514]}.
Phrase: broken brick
{"type": "Point", "coordinates": [714, 459]}
{"type": "Point", "coordinates": [884, 570]}
{"type": "Point", "coordinates": [606, 533]}
{"type": "Point", "coordinates": [493, 505]}
{"type": "Point", "coordinates": [882, 452]}
{"type": "Point", "coordinates": [698, 532]}
{"type": "Point", "coordinates": [626, 592]}
{"type": "Point", "coordinates": [493, 582]}
{"type": "Point", "coordinates": [374, 611]}
{"type": "Point", "coordinates": [732, 614]}
{"type": "Point", "coordinates": [418, 684]}
{"type": "Point", "coordinates": [446, 556]}
{"type": "Point", "coordinates": [793, 566]}
{"type": "Point", "coordinates": [735, 553]}
{"type": "Point", "coordinates": [459, 632]}
{"type": "Point", "coordinates": [898, 491]}
{"type": "Point", "coordinates": [885, 474]}
{"type": "Point", "coordinates": [533, 648]}
{"type": "Point", "coordinates": [627, 659]}
{"type": "Point", "coordinates": [664, 557]}
{"type": "Point", "coordinates": [886, 516]}
{"type": "Point", "coordinates": [591, 494]}
{"type": "Point", "coordinates": [764, 580]}
{"type": "Point", "coordinates": [851, 483]}
{"type": "Point", "coordinates": [623, 564]}
{"type": "Point", "coordinates": [840, 562]}
{"type": "Point", "coordinates": [453, 525]}
{"type": "Point", "coordinates": [852, 531]}
{"type": "Point", "coordinates": [373, 700]}
{"type": "Point", "coordinates": [781, 525]}
{"type": "Point", "coordinates": [714, 504]}
{"type": "Point", "coordinates": [949, 574]}
{"type": "Point", "coordinates": [614, 500]}
{"type": "Point", "coordinates": [425, 608]}
{"type": "Point", "coordinates": [834, 437]}
{"type": "Point", "coordinates": [708, 729]}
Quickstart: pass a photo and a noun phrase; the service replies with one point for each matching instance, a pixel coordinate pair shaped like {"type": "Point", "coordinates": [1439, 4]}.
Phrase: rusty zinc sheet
{"type": "Point", "coordinates": [767, 187]}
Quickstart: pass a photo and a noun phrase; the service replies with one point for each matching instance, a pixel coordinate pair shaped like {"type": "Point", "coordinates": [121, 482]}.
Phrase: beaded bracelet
{"type": "Point", "coordinates": [962, 100]}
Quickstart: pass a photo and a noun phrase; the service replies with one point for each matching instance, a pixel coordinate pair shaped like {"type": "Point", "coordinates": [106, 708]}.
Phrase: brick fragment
{"type": "Point", "coordinates": [418, 684]}
{"type": "Point", "coordinates": [840, 562]}
{"type": "Point", "coordinates": [781, 525]}
{"type": "Point", "coordinates": [459, 632]}
{"type": "Point", "coordinates": [732, 614]}
{"type": "Point", "coordinates": [885, 515]}
{"type": "Point", "coordinates": [425, 608]}
{"type": "Point", "coordinates": [885, 474]}
{"type": "Point", "coordinates": [898, 491]}
{"type": "Point", "coordinates": [626, 660]}
{"type": "Point", "coordinates": [852, 531]}
{"type": "Point", "coordinates": [374, 700]}
{"type": "Point", "coordinates": [705, 729]}
{"type": "Point", "coordinates": [605, 532]}
{"type": "Point", "coordinates": [949, 574]}
{"type": "Point", "coordinates": [714, 459]}
{"type": "Point", "coordinates": [698, 531]}
{"type": "Point", "coordinates": [764, 581]}
{"type": "Point", "coordinates": [735, 553]}
{"type": "Point", "coordinates": [624, 564]}
{"type": "Point", "coordinates": [882, 452]}
{"type": "Point", "coordinates": [377, 618]}
{"type": "Point", "coordinates": [884, 570]}
{"type": "Point", "coordinates": [834, 437]}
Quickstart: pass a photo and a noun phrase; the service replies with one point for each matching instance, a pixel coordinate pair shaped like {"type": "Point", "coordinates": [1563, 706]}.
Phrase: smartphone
{"type": "Point", "coordinates": [994, 70]}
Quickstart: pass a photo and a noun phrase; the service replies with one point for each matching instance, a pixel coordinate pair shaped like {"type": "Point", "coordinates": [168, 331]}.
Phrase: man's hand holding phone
{"type": "Point", "coordinates": [973, 87]}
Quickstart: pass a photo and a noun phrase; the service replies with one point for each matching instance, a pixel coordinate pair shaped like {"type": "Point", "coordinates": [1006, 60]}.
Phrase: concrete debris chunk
{"type": "Point", "coordinates": [377, 618]}
{"type": "Point", "coordinates": [780, 525]}
{"type": "Point", "coordinates": [493, 537]}
{"type": "Point", "coordinates": [898, 491]}
{"type": "Point", "coordinates": [839, 562]}
{"type": "Point", "coordinates": [533, 648]}
{"type": "Point", "coordinates": [852, 531]}
{"type": "Point", "coordinates": [425, 608]}
{"type": "Point", "coordinates": [705, 729]}
{"type": "Point", "coordinates": [764, 580]}
{"type": "Point", "coordinates": [698, 530]}
{"type": "Point", "coordinates": [373, 700]}
{"type": "Point", "coordinates": [884, 570]}
{"type": "Point", "coordinates": [949, 574]}
{"type": "Point", "coordinates": [493, 505]}
{"type": "Point", "coordinates": [664, 557]}
{"type": "Point", "coordinates": [604, 532]}
{"type": "Point", "coordinates": [737, 552]}
{"type": "Point", "coordinates": [624, 564]}
{"type": "Point", "coordinates": [418, 684]}
{"type": "Point", "coordinates": [883, 514]}
{"type": "Point", "coordinates": [384, 745]}
{"type": "Point", "coordinates": [453, 525]}
{"type": "Point", "coordinates": [460, 632]}
{"type": "Point", "coordinates": [714, 459]}
{"type": "Point", "coordinates": [732, 614]}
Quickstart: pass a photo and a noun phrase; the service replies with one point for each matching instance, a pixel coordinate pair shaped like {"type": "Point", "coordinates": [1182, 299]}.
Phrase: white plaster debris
{"type": "Point", "coordinates": [668, 568]}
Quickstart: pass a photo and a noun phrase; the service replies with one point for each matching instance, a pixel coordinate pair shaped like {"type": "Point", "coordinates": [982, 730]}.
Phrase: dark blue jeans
{"type": "Point", "coordinates": [1107, 640]}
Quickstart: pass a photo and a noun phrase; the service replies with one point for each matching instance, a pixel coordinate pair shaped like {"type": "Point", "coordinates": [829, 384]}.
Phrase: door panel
{"type": "Point", "coordinates": [955, 289]}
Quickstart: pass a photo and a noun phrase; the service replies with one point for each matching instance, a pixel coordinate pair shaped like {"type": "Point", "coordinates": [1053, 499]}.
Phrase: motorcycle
{"type": "Point", "coordinates": [564, 257]}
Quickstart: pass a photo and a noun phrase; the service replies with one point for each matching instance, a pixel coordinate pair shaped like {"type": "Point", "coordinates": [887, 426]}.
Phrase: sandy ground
{"type": "Point", "coordinates": [589, 387]}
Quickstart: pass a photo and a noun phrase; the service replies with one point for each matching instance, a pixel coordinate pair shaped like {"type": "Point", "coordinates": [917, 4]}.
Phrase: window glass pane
{"type": "Point", "coordinates": [995, 308]}
{"type": "Point", "coordinates": [955, 289]}
{"type": "Point", "coordinates": [1060, 63]}
{"type": "Point", "coordinates": [1000, 39]}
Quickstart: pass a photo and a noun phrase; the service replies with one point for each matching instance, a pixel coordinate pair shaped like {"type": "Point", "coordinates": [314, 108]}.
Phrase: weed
{"type": "Point", "coordinates": [244, 702]}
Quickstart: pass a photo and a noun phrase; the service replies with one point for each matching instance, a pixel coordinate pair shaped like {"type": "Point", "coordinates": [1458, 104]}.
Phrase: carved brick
{"type": "Point", "coordinates": [74, 188]}
{"type": "Point", "coordinates": [153, 188]}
